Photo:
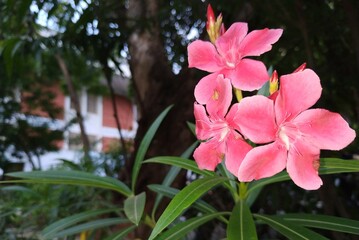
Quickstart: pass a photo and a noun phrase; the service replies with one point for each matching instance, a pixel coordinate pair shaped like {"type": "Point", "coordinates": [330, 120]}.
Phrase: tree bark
{"type": "Point", "coordinates": [75, 100]}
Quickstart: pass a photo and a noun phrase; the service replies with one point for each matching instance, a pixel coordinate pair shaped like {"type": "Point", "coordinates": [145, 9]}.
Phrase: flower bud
{"type": "Point", "coordinates": [300, 68]}
{"type": "Point", "coordinates": [273, 82]}
{"type": "Point", "coordinates": [215, 28]}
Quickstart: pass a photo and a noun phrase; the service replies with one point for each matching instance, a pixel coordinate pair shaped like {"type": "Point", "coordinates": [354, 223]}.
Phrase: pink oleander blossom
{"type": "Point", "coordinates": [228, 56]}
{"type": "Point", "coordinates": [217, 129]}
{"type": "Point", "coordinates": [294, 133]}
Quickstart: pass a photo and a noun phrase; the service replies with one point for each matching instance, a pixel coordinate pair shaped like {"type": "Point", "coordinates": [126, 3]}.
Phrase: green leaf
{"type": "Point", "coordinates": [19, 189]}
{"type": "Point", "coordinates": [337, 224]}
{"type": "Point", "coordinates": [169, 192]}
{"type": "Point", "coordinates": [145, 143]}
{"type": "Point", "coordinates": [96, 224]}
{"type": "Point", "coordinates": [172, 174]}
{"type": "Point", "coordinates": [57, 226]}
{"type": "Point", "coordinates": [337, 165]}
{"type": "Point", "coordinates": [134, 206]}
{"type": "Point", "coordinates": [264, 90]}
{"type": "Point", "coordinates": [121, 234]}
{"type": "Point", "coordinates": [253, 195]}
{"type": "Point", "coordinates": [241, 225]}
{"type": "Point", "coordinates": [288, 229]}
{"type": "Point", "coordinates": [192, 127]}
{"type": "Point", "coordinates": [180, 162]}
{"type": "Point", "coordinates": [327, 166]}
{"type": "Point", "coordinates": [72, 178]}
{"type": "Point", "coordinates": [183, 200]}
{"type": "Point", "coordinates": [182, 229]}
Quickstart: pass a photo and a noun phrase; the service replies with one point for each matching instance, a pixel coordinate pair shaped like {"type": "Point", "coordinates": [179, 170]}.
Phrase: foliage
{"type": "Point", "coordinates": [93, 39]}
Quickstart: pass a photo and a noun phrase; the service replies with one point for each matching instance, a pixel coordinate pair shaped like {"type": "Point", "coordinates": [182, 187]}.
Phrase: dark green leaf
{"type": "Point", "coordinates": [241, 225]}
{"type": "Point", "coordinates": [288, 229]}
{"type": "Point", "coordinates": [57, 226]}
{"type": "Point", "coordinates": [184, 199]}
{"type": "Point", "coordinates": [180, 230]}
{"type": "Point", "coordinates": [180, 162]}
{"type": "Point", "coordinates": [96, 224]}
{"type": "Point", "coordinates": [121, 234]}
{"type": "Point", "coordinates": [145, 143]}
{"type": "Point", "coordinates": [72, 178]}
{"type": "Point", "coordinates": [324, 222]}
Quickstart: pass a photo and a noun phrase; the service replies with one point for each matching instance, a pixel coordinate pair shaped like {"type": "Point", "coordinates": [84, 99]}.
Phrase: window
{"type": "Point", "coordinates": [92, 103]}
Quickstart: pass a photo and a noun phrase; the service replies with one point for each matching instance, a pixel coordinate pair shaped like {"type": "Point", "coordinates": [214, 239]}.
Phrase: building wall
{"type": "Point", "coordinates": [125, 113]}
{"type": "Point", "coordinates": [100, 125]}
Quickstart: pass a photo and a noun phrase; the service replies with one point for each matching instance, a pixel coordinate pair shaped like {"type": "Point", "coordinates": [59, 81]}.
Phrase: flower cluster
{"type": "Point", "coordinates": [288, 134]}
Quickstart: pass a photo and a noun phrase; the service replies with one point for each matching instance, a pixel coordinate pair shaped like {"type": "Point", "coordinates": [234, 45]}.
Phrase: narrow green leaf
{"type": "Point", "coordinates": [337, 165]}
{"type": "Point", "coordinates": [327, 166]}
{"type": "Point", "coordinates": [192, 127]}
{"type": "Point", "coordinates": [19, 189]}
{"type": "Point", "coordinates": [96, 224]}
{"type": "Point", "coordinates": [169, 192]}
{"type": "Point", "coordinates": [337, 224]}
{"type": "Point", "coordinates": [59, 225]}
{"type": "Point", "coordinates": [180, 162]}
{"type": "Point", "coordinates": [182, 229]}
{"type": "Point", "coordinates": [145, 143]}
{"type": "Point", "coordinates": [253, 195]}
{"type": "Point", "coordinates": [280, 177]}
{"type": "Point", "coordinates": [184, 199]}
{"type": "Point", "coordinates": [73, 178]}
{"type": "Point", "coordinates": [134, 206]}
{"type": "Point", "coordinates": [121, 234]}
{"type": "Point", "coordinates": [172, 174]}
{"type": "Point", "coordinates": [241, 225]}
{"type": "Point", "coordinates": [288, 229]}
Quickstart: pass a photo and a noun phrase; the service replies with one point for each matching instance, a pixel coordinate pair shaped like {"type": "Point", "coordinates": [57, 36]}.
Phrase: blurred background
{"type": "Point", "coordinates": [81, 82]}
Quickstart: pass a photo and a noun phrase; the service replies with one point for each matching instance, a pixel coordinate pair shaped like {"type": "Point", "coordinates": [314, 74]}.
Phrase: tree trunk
{"type": "Point", "coordinates": [75, 101]}
{"type": "Point", "coordinates": [157, 87]}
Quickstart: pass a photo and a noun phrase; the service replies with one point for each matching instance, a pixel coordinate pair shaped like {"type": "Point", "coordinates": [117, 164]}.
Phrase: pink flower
{"type": "Point", "coordinates": [295, 134]}
{"type": "Point", "coordinates": [218, 130]}
{"type": "Point", "coordinates": [227, 56]}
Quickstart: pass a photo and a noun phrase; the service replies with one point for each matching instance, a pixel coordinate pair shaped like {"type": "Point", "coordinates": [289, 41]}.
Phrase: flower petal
{"type": "Point", "coordinates": [232, 115]}
{"type": "Point", "coordinates": [263, 161]}
{"type": "Point", "coordinates": [237, 149]}
{"type": "Point", "coordinates": [298, 92]}
{"type": "Point", "coordinates": [248, 75]}
{"type": "Point", "coordinates": [324, 129]}
{"type": "Point", "coordinates": [302, 165]}
{"type": "Point", "coordinates": [219, 102]}
{"type": "Point", "coordinates": [259, 41]}
{"type": "Point", "coordinates": [203, 55]}
{"type": "Point", "coordinates": [209, 154]}
{"type": "Point", "coordinates": [231, 39]}
{"type": "Point", "coordinates": [256, 119]}
{"type": "Point", "coordinates": [205, 88]}
{"type": "Point", "coordinates": [203, 124]}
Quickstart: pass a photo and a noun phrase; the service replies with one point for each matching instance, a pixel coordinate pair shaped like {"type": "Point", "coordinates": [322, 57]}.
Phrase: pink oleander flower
{"type": "Point", "coordinates": [295, 133]}
{"type": "Point", "coordinates": [228, 56]}
{"type": "Point", "coordinates": [218, 130]}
